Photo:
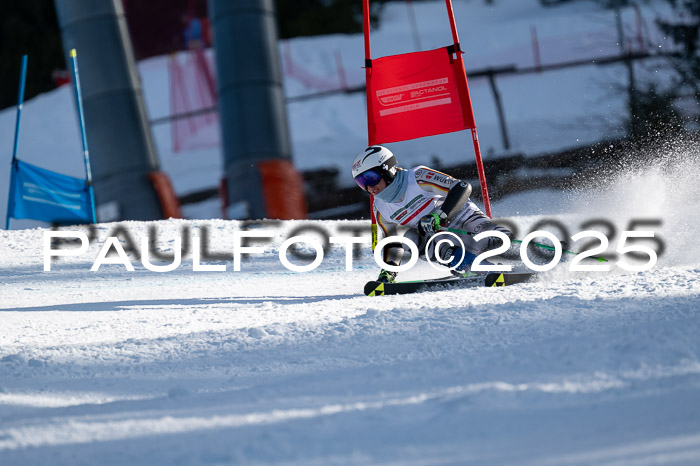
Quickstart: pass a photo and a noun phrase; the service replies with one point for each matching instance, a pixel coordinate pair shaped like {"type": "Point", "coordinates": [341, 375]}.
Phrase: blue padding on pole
{"type": "Point", "coordinates": [40, 194]}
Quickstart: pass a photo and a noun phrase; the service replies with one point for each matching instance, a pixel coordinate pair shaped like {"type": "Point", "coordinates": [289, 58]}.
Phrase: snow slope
{"type": "Point", "coordinates": [268, 366]}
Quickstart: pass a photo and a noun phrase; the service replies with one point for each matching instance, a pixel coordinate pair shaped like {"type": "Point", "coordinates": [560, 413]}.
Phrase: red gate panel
{"type": "Point", "coordinates": [417, 94]}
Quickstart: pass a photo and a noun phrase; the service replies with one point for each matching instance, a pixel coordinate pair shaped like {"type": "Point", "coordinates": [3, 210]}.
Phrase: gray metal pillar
{"type": "Point", "coordinates": [122, 153]}
{"type": "Point", "coordinates": [251, 98]}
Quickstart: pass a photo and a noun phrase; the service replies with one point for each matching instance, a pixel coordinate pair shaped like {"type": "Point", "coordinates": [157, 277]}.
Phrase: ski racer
{"type": "Point", "coordinates": [425, 201]}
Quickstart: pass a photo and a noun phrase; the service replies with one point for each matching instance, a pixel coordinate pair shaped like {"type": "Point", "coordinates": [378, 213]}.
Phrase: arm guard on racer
{"type": "Point", "coordinates": [456, 197]}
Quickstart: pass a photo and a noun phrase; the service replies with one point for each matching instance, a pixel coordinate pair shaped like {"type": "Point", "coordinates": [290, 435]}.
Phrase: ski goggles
{"type": "Point", "coordinates": [368, 178]}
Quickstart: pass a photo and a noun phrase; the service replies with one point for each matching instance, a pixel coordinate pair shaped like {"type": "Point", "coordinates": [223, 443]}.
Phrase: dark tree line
{"type": "Point", "coordinates": [666, 110]}
{"type": "Point", "coordinates": [28, 27]}
{"type": "Point", "coordinates": [318, 17]}
{"type": "Point", "coordinates": [661, 105]}
{"type": "Point", "coordinates": [684, 30]}
{"type": "Point", "coordinates": [156, 28]}
{"type": "Point", "coordinates": [654, 108]}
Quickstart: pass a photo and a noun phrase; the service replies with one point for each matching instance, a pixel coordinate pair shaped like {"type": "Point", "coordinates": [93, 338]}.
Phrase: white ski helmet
{"type": "Point", "coordinates": [375, 159]}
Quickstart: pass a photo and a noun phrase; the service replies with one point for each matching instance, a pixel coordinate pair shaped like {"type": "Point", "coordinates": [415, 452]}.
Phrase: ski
{"type": "Point", "coordinates": [375, 288]}
{"type": "Point", "coordinates": [508, 278]}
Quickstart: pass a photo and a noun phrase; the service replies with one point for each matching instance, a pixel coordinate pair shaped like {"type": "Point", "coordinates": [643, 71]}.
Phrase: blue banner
{"type": "Point", "coordinates": [39, 194]}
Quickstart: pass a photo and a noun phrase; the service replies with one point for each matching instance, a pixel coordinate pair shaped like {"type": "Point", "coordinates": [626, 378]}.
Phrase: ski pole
{"type": "Point", "coordinates": [544, 246]}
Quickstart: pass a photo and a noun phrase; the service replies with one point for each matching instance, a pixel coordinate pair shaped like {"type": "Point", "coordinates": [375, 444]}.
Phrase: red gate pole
{"type": "Point", "coordinates": [368, 71]}
{"type": "Point", "coordinates": [368, 76]}
{"type": "Point", "coordinates": [475, 137]}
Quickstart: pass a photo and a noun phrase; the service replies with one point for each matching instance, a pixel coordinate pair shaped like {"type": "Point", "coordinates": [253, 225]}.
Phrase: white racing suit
{"type": "Point", "coordinates": [425, 192]}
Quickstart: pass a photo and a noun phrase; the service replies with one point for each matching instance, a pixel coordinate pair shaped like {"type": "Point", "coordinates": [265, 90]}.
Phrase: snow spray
{"type": "Point", "coordinates": [660, 186]}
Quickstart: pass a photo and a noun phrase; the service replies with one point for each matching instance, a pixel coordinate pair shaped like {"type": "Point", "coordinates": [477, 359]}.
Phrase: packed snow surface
{"type": "Point", "coordinates": [269, 366]}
